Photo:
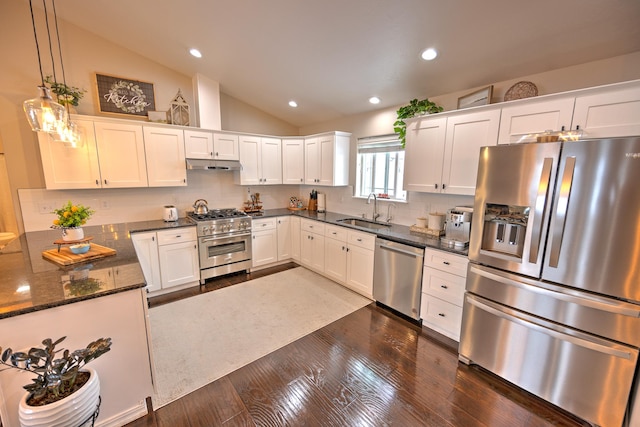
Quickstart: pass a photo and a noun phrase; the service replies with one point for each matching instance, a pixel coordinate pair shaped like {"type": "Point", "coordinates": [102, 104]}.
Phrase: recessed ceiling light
{"type": "Point", "coordinates": [293, 104]}
{"type": "Point", "coordinates": [195, 52]}
{"type": "Point", "coordinates": [374, 100]}
{"type": "Point", "coordinates": [429, 54]}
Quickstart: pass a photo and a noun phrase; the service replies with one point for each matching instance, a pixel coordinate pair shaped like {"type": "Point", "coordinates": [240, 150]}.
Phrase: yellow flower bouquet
{"type": "Point", "coordinates": [70, 216]}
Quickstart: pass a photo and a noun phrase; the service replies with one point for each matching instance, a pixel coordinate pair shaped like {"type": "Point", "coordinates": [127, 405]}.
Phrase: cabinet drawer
{"type": "Point", "coordinates": [446, 286]}
{"type": "Point", "coordinates": [312, 226]}
{"type": "Point", "coordinates": [444, 261]}
{"type": "Point", "coordinates": [364, 240]}
{"type": "Point", "coordinates": [336, 232]}
{"type": "Point", "coordinates": [183, 234]}
{"type": "Point", "coordinates": [441, 316]}
{"type": "Point", "coordinates": [263, 224]}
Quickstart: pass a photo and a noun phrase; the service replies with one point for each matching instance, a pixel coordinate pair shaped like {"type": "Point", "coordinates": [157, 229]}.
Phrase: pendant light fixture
{"type": "Point", "coordinates": [43, 113]}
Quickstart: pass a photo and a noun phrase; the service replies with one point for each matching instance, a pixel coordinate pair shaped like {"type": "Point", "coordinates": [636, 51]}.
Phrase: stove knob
{"type": "Point", "coordinates": [205, 229]}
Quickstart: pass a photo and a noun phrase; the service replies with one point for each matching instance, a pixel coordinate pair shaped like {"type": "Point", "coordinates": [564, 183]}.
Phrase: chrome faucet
{"type": "Point", "coordinates": [375, 206]}
{"type": "Point", "coordinates": [391, 205]}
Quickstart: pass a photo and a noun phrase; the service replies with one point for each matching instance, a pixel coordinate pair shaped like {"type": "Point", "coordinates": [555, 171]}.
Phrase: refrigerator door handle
{"type": "Point", "coordinates": [540, 209]}
{"type": "Point", "coordinates": [615, 307]}
{"type": "Point", "coordinates": [553, 333]}
{"type": "Point", "coordinates": [561, 211]}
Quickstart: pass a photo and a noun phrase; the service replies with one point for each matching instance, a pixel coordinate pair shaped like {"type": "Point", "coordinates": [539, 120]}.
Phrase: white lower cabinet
{"type": "Point", "coordinates": [443, 284]}
{"type": "Point", "coordinates": [295, 238]}
{"type": "Point", "coordinates": [264, 244]}
{"type": "Point", "coordinates": [312, 245]}
{"type": "Point", "coordinates": [335, 253]}
{"type": "Point", "coordinates": [169, 258]}
{"type": "Point", "coordinates": [285, 243]}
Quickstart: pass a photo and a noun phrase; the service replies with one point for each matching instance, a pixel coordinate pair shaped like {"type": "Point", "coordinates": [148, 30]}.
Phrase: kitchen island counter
{"type": "Point", "coordinates": [31, 283]}
{"type": "Point", "coordinates": [395, 232]}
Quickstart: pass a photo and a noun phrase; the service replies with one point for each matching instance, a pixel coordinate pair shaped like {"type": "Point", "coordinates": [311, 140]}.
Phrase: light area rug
{"type": "Point", "coordinates": [197, 340]}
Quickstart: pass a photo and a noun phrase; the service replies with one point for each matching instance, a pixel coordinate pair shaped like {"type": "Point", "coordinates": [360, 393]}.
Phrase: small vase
{"type": "Point", "coordinates": [73, 410]}
{"type": "Point", "coordinates": [72, 234]}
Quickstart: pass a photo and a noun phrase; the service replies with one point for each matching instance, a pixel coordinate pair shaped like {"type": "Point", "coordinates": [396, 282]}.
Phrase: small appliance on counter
{"type": "Point", "coordinates": [458, 227]}
{"type": "Point", "coordinates": [170, 213]}
{"type": "Point", "coordinates": [322, 203]}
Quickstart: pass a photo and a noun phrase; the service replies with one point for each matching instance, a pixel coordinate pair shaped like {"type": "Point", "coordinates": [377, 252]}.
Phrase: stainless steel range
{"type": "Point", "coordinates": [224, 241]}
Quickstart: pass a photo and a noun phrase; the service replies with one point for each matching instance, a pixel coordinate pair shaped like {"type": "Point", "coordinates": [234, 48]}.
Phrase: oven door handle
{"type": "Point", "coordinates": [213, 239]}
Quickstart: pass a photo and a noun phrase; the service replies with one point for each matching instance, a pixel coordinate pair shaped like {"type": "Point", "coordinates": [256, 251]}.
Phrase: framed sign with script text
{"type": "Point", "coordinates": [118, 95]}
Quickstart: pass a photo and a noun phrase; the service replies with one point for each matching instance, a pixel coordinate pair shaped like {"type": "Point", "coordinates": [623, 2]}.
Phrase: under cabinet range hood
{"type": "Point", "coordinates": [206, 164]}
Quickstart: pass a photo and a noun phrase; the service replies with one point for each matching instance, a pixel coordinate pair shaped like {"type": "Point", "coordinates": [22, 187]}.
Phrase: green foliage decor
{"type": "Point", "coordinates": [414, 108]}
{"type": "Point", "coordinates": [71, 215]}
{"type": "Point", "coordinates": [55, 374]}
{"type": "Point", "coordinates": [65, 94]}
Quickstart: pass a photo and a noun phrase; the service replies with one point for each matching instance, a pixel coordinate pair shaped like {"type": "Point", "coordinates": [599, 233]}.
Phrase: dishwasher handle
{"type": "Point", "coordinates": [416, 254]}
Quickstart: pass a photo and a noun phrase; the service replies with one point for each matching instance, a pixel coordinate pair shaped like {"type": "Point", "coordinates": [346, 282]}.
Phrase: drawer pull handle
{"type": "Point", "coordinates": [446, 262]}
{"type": "Point", "coordinates": [444, 286]}
{"type": "Point", "coordinates": [359, 240]}
{"type": "Point", "coordinates": [441, 315]}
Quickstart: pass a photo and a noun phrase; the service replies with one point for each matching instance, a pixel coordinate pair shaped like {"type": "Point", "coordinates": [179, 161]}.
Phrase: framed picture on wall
{"type": "Point", "coordinates": [479, 97]}
{"type": "Point", "coordinates": [118, 95]}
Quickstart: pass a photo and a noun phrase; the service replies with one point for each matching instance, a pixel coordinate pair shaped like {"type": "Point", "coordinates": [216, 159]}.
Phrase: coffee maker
{"type": "Point", "coordinates": [457, 228]}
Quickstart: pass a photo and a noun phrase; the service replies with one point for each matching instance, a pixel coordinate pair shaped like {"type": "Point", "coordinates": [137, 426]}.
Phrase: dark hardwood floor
{"type": "Point", "coordinates": [370, 368]}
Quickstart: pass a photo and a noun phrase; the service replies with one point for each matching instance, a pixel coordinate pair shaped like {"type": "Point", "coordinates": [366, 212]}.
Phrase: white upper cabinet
{"type": "Point", "coordinates": [204, 144]}
{"type": "Point", "coordinates": [198, 144]}
{"type": "Point", "coordinates": [326, 159]}
{"type": "Point", "coordinates": [441, 153]}
{"type": "Point", "coordinates": [57, 158]}
{"type": "Point", "coordinates": [225, 147]}
{"type": "Point", "coordinates": [164, 152]}
{"type": "Point", "coordinates": [293, 161]}
{"type": "Point", "coordinates": [608, 114]}
{"type": "Point", "coordinates": [261, 160]}
{"type": "Point", "coordinates": [121, 154]}
{"type": "Point", "coordinates": [521, 123]}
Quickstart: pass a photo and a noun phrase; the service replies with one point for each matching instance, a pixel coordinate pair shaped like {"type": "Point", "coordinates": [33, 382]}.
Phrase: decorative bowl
{"type": "Point", "coordinates": [81, 248]}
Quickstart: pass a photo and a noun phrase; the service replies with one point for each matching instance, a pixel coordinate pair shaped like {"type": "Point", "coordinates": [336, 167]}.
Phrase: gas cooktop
{"type": "Point", "coordinates": [215, 214]}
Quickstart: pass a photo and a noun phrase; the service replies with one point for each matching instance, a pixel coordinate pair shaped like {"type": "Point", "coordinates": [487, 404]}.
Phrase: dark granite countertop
{"type": "Point", "coordinates": [395, 232]}
{"type": "Point", "coordinates": [29, 282]}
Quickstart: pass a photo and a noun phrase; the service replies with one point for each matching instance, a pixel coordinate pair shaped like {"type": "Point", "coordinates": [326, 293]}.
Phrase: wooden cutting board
{"type": "Point", "coordinates": [66, 257]}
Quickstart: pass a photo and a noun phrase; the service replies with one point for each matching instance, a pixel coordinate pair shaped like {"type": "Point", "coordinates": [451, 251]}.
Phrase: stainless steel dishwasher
{"type": "Point", "coordinates": [397, 276]}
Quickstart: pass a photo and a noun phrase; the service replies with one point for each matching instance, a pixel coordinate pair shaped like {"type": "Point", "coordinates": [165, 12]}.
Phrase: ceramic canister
{"type": "Point", "coordinates": [436, 221]}
{"type": "Point", "coordinates": [170, 213]}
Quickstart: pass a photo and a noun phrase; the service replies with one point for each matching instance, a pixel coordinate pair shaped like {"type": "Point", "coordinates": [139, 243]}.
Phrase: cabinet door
{"type": "Point", "coordinates": [424, 153]}
{"type": "Point", "coordinates": [226, 147]}
{"type": "Point", "coordinates": [198, 144]}
{"type": "Point", "coordinates": [58, 157]}
{"type": "Point", "coordinates": [164, 148]}
{"type": "Point", "coordinates": [611, 114]}
{"type": "Point", "coordinates": [179, 264]}
{"type": "Point", "coordinates": [271, 161]}
{"type": "Point", "coordinates": [293, 161]}
{"type": "Point", "coordinates": [317, 252]}
{"type": "Point", "coordinates": [521, 123]}
{"type": "Point", "coordinates": [146, 246]}
{"type": "Point", "coordinates": [464, 136]}
{"type": "Point", "coordinates": [284, 238]}
{"type": "Point", "coordinates": [326, 147]}
{"type": "Point", "coordinates": [250, 158]}
{"type": "Point", "coordinates": [264, 248]}
{"type": "Point", "coordinates": [311, 160]}
{"type": "Point", "coordinates": [360, 270]}
{"type": "Point", "coordinates": [121, 155]}
{"type": "Point", "coordinates": [306, 248]}
{"type": "Point", "coordinates": [295, 238]}
{"type": "Point", "coordinates": [335, 256]}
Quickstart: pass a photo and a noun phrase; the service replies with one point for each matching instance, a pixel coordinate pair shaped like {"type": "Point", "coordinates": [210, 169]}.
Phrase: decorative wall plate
{"type": "Point", "coordinates": [521, 90]}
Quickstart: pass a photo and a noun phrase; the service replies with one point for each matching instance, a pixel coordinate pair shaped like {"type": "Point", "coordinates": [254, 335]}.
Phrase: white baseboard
{"type": "Point", "coordinates": [124, 418]}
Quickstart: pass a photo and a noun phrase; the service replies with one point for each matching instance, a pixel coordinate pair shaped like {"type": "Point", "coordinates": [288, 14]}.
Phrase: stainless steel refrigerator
{"type": "Point", "coordinates": [552, 299]}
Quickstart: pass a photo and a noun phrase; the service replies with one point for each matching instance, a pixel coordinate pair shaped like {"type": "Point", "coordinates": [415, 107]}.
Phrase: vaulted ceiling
{"type": "Point", "coordinates": [330, 56]}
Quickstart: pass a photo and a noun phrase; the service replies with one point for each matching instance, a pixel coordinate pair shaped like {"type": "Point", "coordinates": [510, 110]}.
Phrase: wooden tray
{"type": "Point", "coordinates": [297, 209]}
{"type": "Point", "coordinates": [427, 231]}
{"type": "Point", "coordinates": [64, 256]}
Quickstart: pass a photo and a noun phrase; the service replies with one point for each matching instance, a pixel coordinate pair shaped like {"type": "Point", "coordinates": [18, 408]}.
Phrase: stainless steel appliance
{"type": "Point", "coordinates": [224, 241]}
{"type": "Point", "coordinates": [397, 276]}
{"type": "Point", "coordinates": [457, 228]}
{"type": "Point", "coordinates": [552, 299]}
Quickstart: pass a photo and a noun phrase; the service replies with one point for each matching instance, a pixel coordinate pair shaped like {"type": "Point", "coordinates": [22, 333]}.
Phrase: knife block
{"type": "Point", "coordinates": [313, 205]}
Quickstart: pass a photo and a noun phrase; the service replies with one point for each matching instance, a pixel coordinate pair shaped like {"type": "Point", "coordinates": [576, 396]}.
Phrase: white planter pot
{"type": "Point", "coordinates": [71, 234]}
{"type": "Point", "coordinates": [68, 412]}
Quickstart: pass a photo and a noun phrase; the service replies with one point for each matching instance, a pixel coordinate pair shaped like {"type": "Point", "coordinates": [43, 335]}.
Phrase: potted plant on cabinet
{"type": "Point", "coordinates": [70, 219]}
{"type": "Point", "coordinates": [413, 109]}
{"type": "Point", "coordinates": [61, 392]}
{"type": "Point", "coordinates": [66, 95]}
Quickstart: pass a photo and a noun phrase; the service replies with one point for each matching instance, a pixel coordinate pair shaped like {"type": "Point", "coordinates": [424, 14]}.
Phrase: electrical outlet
{"type": "Point", "coordinates": [105, 204]}
{"type": "Point", "coordinates": [46, 207]}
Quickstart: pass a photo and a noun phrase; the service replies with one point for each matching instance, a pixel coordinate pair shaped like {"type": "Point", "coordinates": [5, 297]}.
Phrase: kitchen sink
{"type": "Point", "coordinates": [358, 222]}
